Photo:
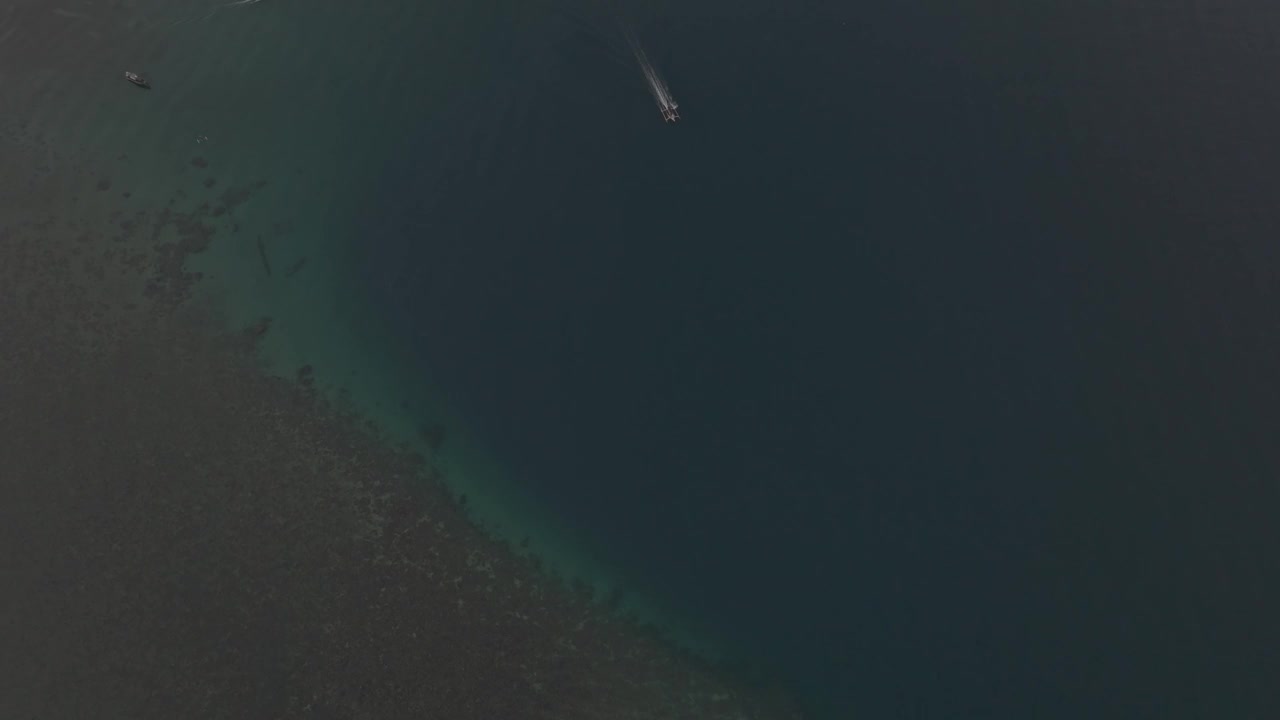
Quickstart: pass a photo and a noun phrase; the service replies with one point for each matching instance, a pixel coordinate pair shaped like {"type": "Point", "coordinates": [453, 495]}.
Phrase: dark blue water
{"type": "Point", "coordinates": [930, 357]}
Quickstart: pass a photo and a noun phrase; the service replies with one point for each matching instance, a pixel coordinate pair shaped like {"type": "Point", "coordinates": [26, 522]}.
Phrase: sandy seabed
{"type": "Point", "coordinates": [183, 534]}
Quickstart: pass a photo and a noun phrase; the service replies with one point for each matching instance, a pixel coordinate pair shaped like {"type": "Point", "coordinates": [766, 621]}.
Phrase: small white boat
{"type": "Point", "coordinates": [137, 79]}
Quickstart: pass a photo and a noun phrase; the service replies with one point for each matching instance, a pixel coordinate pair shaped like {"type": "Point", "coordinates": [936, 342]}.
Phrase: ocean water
{"type": "Point", "coordinates": [926, 365]}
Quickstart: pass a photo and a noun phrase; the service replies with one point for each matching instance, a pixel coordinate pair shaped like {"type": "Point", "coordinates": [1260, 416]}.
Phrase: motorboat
{"type": "Point", "coordinates": [137, 79]}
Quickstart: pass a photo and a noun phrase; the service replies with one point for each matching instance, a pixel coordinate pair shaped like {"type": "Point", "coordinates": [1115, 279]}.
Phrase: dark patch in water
{"type": "Point", "coordinates": [262, 254]}
{"type": "Point", "coordinates": [233, 197]}
{"type": "Point", "coordinates": [199, 162]}
{"type": "Point", "coordinates": [258, 329]}
{"type": "Point", "coordinates": [293, 269]}
{"type": "Point", "coordinates": [433, 436]}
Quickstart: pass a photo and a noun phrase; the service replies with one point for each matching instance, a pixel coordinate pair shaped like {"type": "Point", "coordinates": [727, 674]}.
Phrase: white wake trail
{"type": "Point", "coordinates": [657, 87]}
